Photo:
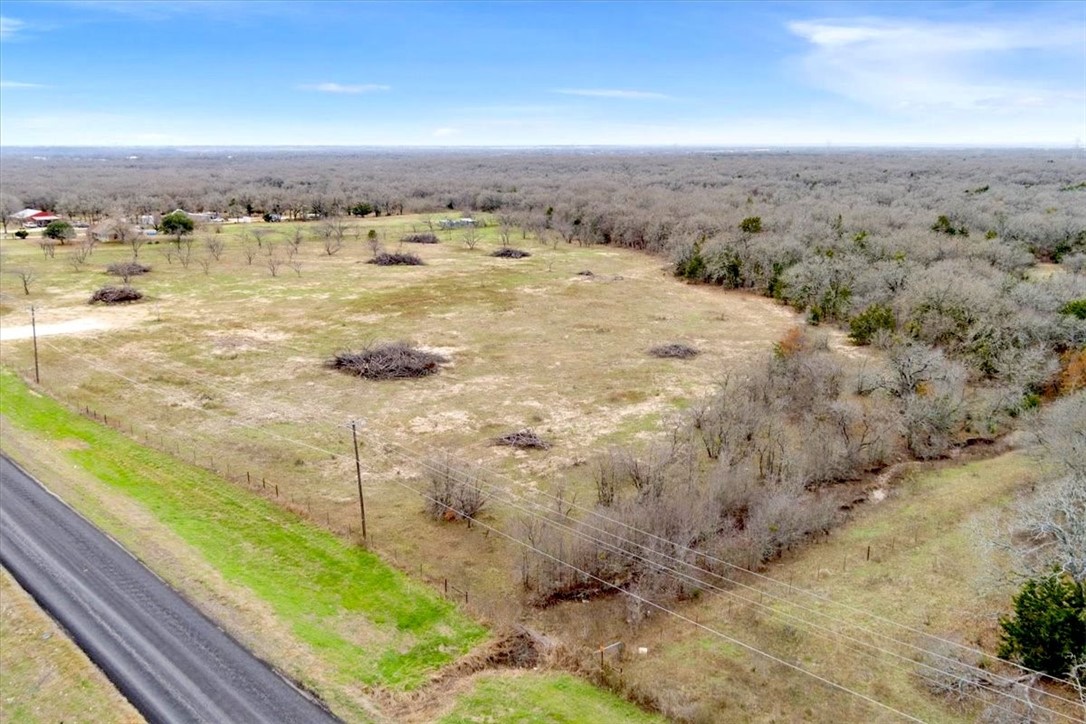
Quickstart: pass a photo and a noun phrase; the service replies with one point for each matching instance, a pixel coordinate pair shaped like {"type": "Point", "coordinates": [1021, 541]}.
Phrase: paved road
{"type": "Point", "coordinates": [171, 662]}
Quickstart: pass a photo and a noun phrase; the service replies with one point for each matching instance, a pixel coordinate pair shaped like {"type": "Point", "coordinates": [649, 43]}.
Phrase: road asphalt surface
{"type": "Point", "coordinates": [171, 661]}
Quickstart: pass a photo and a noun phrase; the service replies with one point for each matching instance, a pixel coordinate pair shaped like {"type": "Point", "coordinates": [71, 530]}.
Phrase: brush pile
{"type": "Point", "coordinates": [116, 295]}
{"type": "Point", "coordinates": [424, 238]}
{"type": "Point", "coordinates": [385, 258]}
{"type": "Point", "coordinates": [508, 252]}
{"type": "Point", "coordinates": [392, 361]}
{"type": "Point", "coordinates": [523, 440]}
{"type": "Point", "coordinates": [674, 351]}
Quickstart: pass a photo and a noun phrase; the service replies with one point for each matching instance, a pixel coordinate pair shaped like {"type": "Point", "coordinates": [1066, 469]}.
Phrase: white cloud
{"type": "Point", "coordinates": [445, 132]}
{"type": "Point", "coordinates": [16, 85]}
{"type": "Point", "coordinates": [919, 66]}
{"type": "Point", "coordinates": [345, 88]}
{"type": "Point", "coordinates": [9, 27]}
{"type": "Point", "coordinates": [634, 95]}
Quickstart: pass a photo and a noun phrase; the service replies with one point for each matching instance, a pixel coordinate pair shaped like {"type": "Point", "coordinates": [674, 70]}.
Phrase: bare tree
{"type": "Point", "coordinates": [26, 276]}
{"type": "Point", "coordinates": [249, 252]}
{"type": "Point", "coordinates": [184, 251]}
{"type": "Point", "coordinates": [8, 205]}
{"type": "Point", "coordinates": [273, 262]}
{"type": "Point", "coordinates": [296, 238]}
{"type": "Point", "coordinates": [333, 231]}
{"type": "Point", "coordinates": [471, 236]}
{"type": "Point", "coordinates": [1055, 522]}
{"type": "Point", "coordinates": [77, 257]}
{"type": "Point", "coordinates": [214, 246]}
{"type": "Point", "coordinates": [205, 263]}
{"type": "Point", "coordinates": [456, 490]}
{"type": "Point", "coordinates": [505, 228]}
{"type": "Point", "coordinates": [48, 247]}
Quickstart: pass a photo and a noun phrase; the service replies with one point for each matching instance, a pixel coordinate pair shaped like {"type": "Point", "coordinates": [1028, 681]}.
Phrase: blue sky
{"type": "Point", "coordinates": [129, 73]}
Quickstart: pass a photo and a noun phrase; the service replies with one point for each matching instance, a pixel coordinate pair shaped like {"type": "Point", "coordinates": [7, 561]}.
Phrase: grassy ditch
{"type": "Point", "coordinates": [550, 699]}
{"type": "Point", "coordinates": [375, 625]}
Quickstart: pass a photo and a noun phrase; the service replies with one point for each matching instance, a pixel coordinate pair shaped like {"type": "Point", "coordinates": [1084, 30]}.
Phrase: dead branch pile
{"type": "Point", "coordinates": [396, 360]}
{"type": "Point", "coordinates": [116, 295]}
{"type": "Point", "coordinates": [127, 269]}
{"type": "Point", "coordinates": [674, 351]}
{"type": "Point", "coordinates": [424, 238]}
{"type": "Point", "coordinates": [385, 258]}
{"type": "Point", "coordinates": [522, 439]}
{"type": "Point", "coordinates": [508, 252]}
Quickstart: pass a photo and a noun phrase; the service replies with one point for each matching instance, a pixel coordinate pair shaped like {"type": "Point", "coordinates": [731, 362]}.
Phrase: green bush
{"type": "Point", "coordinates": [1075, 308]}
{"type": "Point", "coordinates": [59, 230]}
{"type": "Point", "coordinates": [1048, 629]}
{"type": "Point", "coordinates": [751, 225]}
{"type": "Point", "coordinates": [865, 324]}
{"type": "Point", "coordinates": [943, 225]}
{"type": "Point", "coordinates": [691, 265]}
{"type": "Point", "coordinates": [22, 234]}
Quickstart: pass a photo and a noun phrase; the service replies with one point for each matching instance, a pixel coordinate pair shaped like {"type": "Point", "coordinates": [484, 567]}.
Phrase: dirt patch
{"type": "Point", "coordinates": [516, 648]}
{"type": "Point", "coordinates": [82, 325]}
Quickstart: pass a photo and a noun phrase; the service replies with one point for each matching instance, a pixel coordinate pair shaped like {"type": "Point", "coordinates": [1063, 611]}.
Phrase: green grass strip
{"type": "Point", "coordinates": [550, 699]}
{"type": "Point", "coordinates": [312, 580]}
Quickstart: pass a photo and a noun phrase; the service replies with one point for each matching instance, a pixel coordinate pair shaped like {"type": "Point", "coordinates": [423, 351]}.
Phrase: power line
{"type": "Point", "coordinates": [598, 515]}
{"type": "Point", "coordinates": [670, 544]}
{"type": "Point", "coordinates": [824, 631]}
{"type": "Point", "coordinates": [608, 584]}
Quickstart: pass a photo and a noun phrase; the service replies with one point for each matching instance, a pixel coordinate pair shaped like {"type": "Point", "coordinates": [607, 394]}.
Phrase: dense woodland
{"type": "Point", "coordinates": [942, 261]}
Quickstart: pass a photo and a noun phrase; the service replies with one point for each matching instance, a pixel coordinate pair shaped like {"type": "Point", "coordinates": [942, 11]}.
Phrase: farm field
{"type": "Point", "coordinates": [229, 366]}
{"type": "Point", "coordinates": [223, 366]}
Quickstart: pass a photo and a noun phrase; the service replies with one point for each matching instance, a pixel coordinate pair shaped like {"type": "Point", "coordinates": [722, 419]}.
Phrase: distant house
{"type": "Point", "coordinates": [34, 218]}
{"type": "Point", "coordinates": [200, 217]}
{"type": "Point", "coordinates": [456, 223]}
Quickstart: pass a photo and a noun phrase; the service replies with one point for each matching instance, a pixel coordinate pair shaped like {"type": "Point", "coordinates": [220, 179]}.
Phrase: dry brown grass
{"type": "Point", "coordinates": [228, 367]}
{"type": "Point", "coordinates": [46, 677]}
{"type": "Point", "coordinates": [931, 568]}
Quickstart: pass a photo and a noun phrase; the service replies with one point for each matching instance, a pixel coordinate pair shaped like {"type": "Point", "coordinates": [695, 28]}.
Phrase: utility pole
{"type": "Point", "coordinates": [34, 334]}
{"type": "Point", "coordinates": [358, 473]}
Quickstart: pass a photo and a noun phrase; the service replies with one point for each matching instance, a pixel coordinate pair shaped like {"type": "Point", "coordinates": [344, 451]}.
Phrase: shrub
{"type": "Point", "coordinates": [751, 225]}
{"type": "Point", "coordinates": [1048, 629]}
{"type": "Point", "coordinates": [943, 225]}
{"type": "Point", "coordinates": [523, 439]}
{"type": "Point", "coordinates": [865, 325]}
{"type": "Point", "coordinates": [60, 231]}
{"type": "Point", "coordinates": [116, 295]}
{"type": "Point", "coordinates": [424, 238]}
{"type": "Point", "coordinates": [127, 269]}
{"type": "Point", "coordinates": [456, 490]}
{"type": "Point", "coordinates": [675, 350]}
{"type": "Point", "coordinates": [385, 258]}
{"type": "Point", "coordinates": [397, 360]}
{"type": "Point", "coordinates": [690, 263]}
{"type": "Point", "coordinates": [1075, 308]}
{"type": "Point", "coordinates": [22, 234]}
{"type": "Point", "coordinates": [507, 252]}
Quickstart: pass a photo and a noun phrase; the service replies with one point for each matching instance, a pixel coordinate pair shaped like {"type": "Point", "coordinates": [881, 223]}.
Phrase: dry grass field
{"type": "Point", "coordinates": [228, 367]}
